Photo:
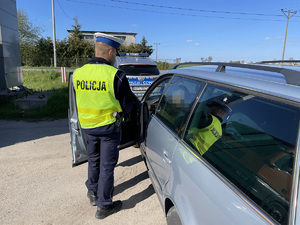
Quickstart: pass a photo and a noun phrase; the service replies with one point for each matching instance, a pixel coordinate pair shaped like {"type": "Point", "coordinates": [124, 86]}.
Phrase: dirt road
{"type": "Point", "coordinates": [39, 186]}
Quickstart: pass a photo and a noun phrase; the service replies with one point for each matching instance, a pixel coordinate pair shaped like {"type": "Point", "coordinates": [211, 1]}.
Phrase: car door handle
{"type": "Point", "coordinates": [166, 157]}
{"type": "Point", "coordinates": [75, 131]}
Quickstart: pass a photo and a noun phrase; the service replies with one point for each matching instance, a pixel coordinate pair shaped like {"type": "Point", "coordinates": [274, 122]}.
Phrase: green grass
{"type": "Point", "coordinates": [43, 80]}
{"type": "Point", "coordinates": [40, 81]}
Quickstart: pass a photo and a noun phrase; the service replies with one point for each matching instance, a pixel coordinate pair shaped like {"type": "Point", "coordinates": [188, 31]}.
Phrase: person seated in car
{"type": "Point", "coordinates": [209, 129]}
{"type": "Point", "coordinates": [177, 108]}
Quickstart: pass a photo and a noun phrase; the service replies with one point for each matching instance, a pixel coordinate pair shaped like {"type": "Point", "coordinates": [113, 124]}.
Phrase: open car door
{"type": "Point", "coordinates": [129, 133]}
{"type": "Point", "coordinates": [149, 104]}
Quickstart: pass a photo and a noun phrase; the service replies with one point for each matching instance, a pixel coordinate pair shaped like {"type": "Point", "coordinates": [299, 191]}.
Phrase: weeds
{"type": "Point", "coordinates": [40, 81]}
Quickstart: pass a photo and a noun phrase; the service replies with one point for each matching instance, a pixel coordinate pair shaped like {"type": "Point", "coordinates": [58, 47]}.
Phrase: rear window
{"type": "Point", "coordinates": [140, 70]}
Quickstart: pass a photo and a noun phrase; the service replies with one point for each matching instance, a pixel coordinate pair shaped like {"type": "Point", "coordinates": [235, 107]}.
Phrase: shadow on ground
{"type": "Point", "coordinates": [12, 132]}
{"type": "Point", "coordinates": [138, 197]}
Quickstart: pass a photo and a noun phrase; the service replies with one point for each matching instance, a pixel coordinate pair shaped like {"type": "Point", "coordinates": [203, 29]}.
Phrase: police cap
{"type": "Point", "coordinates": [219, 103]}
{"type": "Point", "coordinates": [109, 39]}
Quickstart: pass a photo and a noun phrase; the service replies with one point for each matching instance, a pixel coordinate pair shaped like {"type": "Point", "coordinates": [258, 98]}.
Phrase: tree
{"type": "Point", "coordinates": [132, 48]}
{"type": "Point", "coordinates": [62, 48]}
{"type": "Point", "coordinates": [45, 51]}
{"type": "Point", "coordinates": [76, 29]}
{"type": "Point", "coordinates": [144, 48]}
{"type": "Point", "coordinates": [78, 47]}
{"type": "Point", "coordinates": [28, 33]}
{"type": "Point", "coordinates": [74, 51]}
{"type": "Point", "coordinates": [208, 59]}
{"type": "Point", "coordinates": [29, 55]}
{"type": "Point", "coordinates": [237, 61]}
{"type": "Point", "coordinates": [28, 37]}
{"type": "Point", "coordinates": [138, 48]}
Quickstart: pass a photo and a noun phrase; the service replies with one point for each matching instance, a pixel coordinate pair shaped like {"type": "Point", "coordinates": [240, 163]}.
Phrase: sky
{"type": "Point", "coordinates": [226, 30]}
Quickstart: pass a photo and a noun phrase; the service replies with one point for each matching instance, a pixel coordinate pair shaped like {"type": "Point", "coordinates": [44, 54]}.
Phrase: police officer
{"type": "Point", "coordinates": [101, 90]}
{"type": "Point", "coordinates": [210, 128]}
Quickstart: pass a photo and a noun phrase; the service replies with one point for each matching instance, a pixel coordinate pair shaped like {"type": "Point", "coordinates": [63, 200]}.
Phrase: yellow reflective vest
{"type": "Point", "coordinates": [95, 97]}
{"type": "Point", "coordinates": [205, 137]}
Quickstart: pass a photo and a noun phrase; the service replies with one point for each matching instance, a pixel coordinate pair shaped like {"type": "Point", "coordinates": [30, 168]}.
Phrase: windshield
{"type": "Point", "coordinates": [140, 70]}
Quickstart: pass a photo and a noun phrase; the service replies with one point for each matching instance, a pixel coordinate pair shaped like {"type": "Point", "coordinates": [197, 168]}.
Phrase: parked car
{"type": "Point", "coordinates": [242, 170]}
{"type": "Point", "coordinates": [140, 69]}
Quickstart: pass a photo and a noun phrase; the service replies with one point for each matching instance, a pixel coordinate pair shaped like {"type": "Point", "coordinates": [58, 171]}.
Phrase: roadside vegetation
{"type": "Point", "coordinates": [42, 82]}
{"type": "Point", "coordinates": [37, 53]}
{"type": "Point", "coordinates": [72, 51]}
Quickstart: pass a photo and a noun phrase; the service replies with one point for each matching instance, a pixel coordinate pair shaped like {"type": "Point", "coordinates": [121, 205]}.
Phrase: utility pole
{"type": "Point", "coordinates": [54, 36]}
{"type": "Point", "coordinates": [287, 24]}
{"type": "Point", "coordinates": [156, 50]}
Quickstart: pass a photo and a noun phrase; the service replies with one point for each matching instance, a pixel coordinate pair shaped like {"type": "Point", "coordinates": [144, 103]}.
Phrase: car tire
{"type": "Point", "coordinates": [173, 217]}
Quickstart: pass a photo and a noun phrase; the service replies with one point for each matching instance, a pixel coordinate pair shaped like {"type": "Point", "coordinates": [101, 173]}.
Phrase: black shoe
{"type": "Point", "coordinates": [111, 209]}
{"type": "Point", "coordinates": [93, 199]}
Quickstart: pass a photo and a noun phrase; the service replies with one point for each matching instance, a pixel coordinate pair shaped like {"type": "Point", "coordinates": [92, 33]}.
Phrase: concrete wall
{"type": "Point", "coordinates": [10, 57]}
{"type": "Point", "coordinates": [130, 39]}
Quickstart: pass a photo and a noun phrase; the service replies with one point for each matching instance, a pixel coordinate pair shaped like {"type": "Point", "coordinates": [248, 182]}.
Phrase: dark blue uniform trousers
{"type": "Point", "coordinates": [103, 155]}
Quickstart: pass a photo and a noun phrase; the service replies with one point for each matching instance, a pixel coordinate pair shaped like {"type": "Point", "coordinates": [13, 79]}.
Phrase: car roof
{"type": "Point", "coordinates": [135, 60]}
{"type": "Point", "coordinates": [281, 81]}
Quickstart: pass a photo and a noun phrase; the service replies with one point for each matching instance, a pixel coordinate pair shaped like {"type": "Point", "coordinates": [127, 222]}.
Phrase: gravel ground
{"type": "Point", "coordinates": [39, 186]}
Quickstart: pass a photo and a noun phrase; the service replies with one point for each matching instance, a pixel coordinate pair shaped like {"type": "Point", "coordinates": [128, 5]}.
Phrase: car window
{"type": "Point", "coordinates": [177, 101]}
{"type": "Point", "coordinates": [158, 90]}
{"type": "Point", "coordinates": [252, 144]}
{"type": "Point", "coordinates": [155, 93]}
{"type": "Point", "coordinates": [140, 70]}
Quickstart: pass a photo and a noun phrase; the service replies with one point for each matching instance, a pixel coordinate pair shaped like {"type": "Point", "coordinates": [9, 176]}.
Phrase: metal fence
{"type": "Point", "coordinates": [61, 62]}
{"type": "Point", "coordinates": [77, 62]}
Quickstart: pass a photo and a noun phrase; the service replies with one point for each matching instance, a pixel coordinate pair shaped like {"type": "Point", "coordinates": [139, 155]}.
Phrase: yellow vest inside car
{"type": "Point", "coordinates": [204, 138]}
{"type": "Point", "coordinates": [95, 98]}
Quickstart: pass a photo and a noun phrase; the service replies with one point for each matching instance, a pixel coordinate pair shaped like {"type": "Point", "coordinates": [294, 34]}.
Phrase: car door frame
{"type": "Point", "coordinates": [145, 110]}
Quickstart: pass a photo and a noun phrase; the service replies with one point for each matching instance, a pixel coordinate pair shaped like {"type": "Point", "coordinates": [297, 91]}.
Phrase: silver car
{"type": "Point", "coordinates": [244, 170]}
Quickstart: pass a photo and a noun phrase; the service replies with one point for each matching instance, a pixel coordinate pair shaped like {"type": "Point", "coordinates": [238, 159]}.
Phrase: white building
{"type": "Point", "coordinates": [129, 38]}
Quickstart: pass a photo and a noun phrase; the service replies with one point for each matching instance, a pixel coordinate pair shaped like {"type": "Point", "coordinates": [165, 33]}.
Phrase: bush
{"type": "Point", "coordinates": [163, 65]}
